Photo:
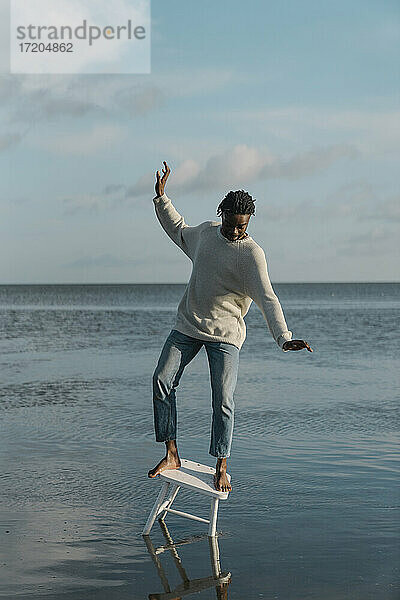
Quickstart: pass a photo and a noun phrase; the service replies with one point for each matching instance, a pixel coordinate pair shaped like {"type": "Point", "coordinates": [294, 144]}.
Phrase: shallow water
{"type": "Point", "coordinates": [315, 507]}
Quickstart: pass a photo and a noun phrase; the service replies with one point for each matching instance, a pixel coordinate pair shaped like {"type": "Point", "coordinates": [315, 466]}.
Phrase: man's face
{"type": "Point", "coordinates": [234, 226]}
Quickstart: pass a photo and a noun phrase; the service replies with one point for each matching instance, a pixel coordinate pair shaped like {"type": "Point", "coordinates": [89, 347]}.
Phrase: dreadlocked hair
{"type": "Point", "coordinates": [237, 203]}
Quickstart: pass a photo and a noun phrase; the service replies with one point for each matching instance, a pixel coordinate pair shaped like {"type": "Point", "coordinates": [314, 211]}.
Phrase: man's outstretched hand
{"type": "Point", "coordinates": [296, 345]}
{"type": "Point", "coordinates": [161, 181]}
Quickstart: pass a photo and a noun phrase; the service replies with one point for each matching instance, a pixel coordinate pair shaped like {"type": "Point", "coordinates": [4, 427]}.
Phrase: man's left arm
{"type": "Point", "coordinates": [258, 287]}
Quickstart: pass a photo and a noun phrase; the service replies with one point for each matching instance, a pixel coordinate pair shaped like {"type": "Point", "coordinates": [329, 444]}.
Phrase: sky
{"type": "Point", "coordinates": [295, 102]}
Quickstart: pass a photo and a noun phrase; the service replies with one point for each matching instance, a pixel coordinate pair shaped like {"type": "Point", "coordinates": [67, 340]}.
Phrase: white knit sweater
{"type": "Point", "coordinates": [226, 277]}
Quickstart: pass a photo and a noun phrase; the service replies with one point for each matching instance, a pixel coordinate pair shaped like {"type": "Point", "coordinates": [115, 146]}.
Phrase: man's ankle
{"type": "Point", "coordinates": [171, 447]}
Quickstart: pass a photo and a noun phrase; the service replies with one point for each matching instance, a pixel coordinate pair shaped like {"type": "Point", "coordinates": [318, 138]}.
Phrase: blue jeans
{"type": "Point", "coordinates": [223, 359]}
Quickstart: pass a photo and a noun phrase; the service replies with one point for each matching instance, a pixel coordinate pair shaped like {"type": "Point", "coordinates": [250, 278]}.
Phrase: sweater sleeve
{"type": "Point", "coordinates": [174, 225]}
{"type": "Point", "coordinates": [258, 288]}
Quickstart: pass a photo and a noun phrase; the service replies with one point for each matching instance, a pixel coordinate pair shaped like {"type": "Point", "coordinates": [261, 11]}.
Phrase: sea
{"type": "Point", "coordinates": [314, 510]}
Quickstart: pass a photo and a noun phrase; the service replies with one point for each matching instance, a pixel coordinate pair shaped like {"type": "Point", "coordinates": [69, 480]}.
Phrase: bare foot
{"type": "Point", "coordinates": [170, 461]}
{"type": "Point", "coordinates": [221, 481]}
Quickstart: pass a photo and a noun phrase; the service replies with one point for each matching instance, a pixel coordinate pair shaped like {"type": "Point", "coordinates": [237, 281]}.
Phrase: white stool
{"type": "Point", "coordinates": [201, 483]}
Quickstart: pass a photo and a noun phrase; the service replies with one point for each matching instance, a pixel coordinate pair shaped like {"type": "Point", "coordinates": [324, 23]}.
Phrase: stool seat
{"type": "Point", "coordinates": [191, 475]}
{"type": "Point", "coordinates": [202, 482]}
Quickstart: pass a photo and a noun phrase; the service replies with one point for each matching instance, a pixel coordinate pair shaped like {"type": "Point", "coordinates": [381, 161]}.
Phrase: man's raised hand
{"type": "Point", "coordinates": [161, 181]}
{"type": "Point", "coordinates": [296, 345]}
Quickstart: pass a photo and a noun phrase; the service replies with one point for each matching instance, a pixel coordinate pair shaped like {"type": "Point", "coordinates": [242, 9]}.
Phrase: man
{"type": "Point", "coordinates": [229, 271]}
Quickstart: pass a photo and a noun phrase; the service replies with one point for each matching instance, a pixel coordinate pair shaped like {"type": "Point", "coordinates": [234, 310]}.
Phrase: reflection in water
{"type": "Point", "coordinates": [76, 439]}
{"type": "Point", "coordinates": [220, 580]}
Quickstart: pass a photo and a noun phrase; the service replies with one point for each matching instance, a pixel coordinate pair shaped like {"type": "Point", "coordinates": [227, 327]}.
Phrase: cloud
{"type": "Point", "coordinates": [357, 201]}
{"type": "Point", "coordinates": [29, 98]}
{"type": "Point", "coordinates": [362, 202]}
{"type": "Point", "coordinates": [141, 187]}
{"type": "Point", "coordinates": [91, 203]}
{"type": "Point", "coordinates": [110, 197]}
{"type": "Point", "coordinates": [236, 167]}
{"type": "Point", "coordinates": [313, 161]}
{"type": "Point", "coordinates": [238, 164]}
{"type": "Point", "coordinates": [241, 165]}
{"type": "Point", "coordinates": [8, 140]}
{"type": "Point", "coordinates": [370, 131]}
{"type": "Point", "coordinates": [198, 81]}
{"type": "Point", "coordinates": [139, 101]}
{"type": "Point", "coordinates": [351, 200]}
{"type": "Point", "coordinates": [86, 142]}
{"type": "Point", "coordinates": [378, 240]}
{"type": "Point", "coordinates": [113, 188]}
{"type": "Point", "coordinates": [186, 172]}
{"type": "Point", "coordinates": [389, 210]}
{"type": "Point", "coordinates": [377, 233]}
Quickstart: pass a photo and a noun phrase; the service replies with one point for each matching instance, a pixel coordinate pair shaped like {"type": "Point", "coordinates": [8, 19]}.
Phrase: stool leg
{"type": "Point", "coordinates": [154, 510]}
{"type": "Point", "coordinates": [175, 490]}
{"type": "Point", "coordinates": [214, 554]}
{"type": "Point", "coordinates": [212, 529]}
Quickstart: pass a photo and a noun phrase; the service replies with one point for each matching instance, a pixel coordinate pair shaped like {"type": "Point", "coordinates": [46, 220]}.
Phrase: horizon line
{"type": "Point", "coordinates": [185, 282]}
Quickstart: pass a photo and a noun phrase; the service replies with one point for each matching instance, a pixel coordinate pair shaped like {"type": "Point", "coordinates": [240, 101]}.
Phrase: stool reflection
{"type": "Point", "coordinates": [220, 580]}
